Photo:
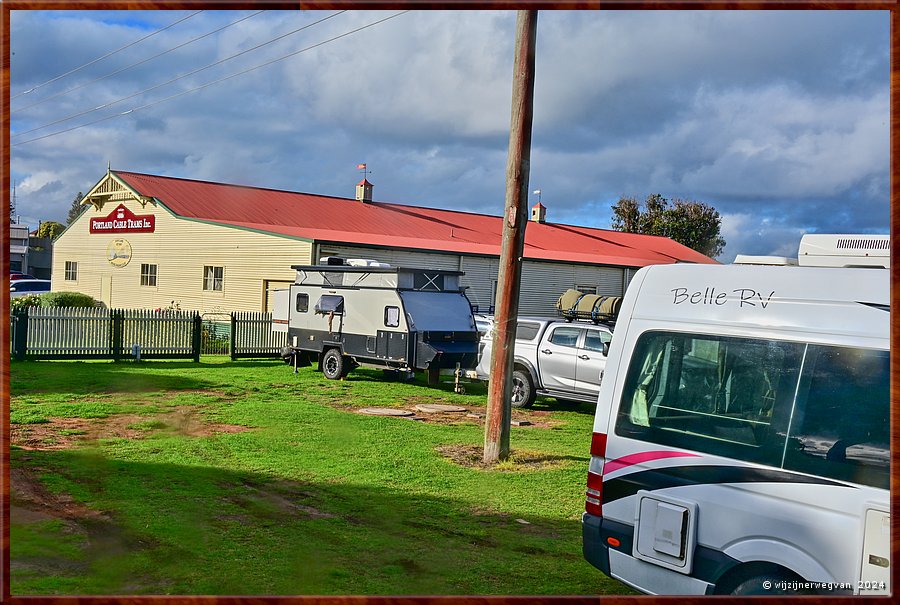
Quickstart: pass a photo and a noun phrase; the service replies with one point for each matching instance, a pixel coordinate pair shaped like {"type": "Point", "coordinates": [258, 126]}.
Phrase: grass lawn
{"type": "Point", "coordinates": [244, 478]}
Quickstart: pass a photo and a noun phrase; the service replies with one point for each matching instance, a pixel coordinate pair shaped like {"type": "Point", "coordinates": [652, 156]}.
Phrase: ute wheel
{"type": "Point", "coordinates": [522, 394]}
{"type": "Point", "coordinates": [773, 583]}
{"type": "Point", "coordinates": [333, 364]}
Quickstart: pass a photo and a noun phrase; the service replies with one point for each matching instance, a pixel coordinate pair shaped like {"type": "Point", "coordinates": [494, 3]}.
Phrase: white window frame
{"type": "Point", "coordinates": [71, 270]}
{"type": "Point", "coordinates": [213, 278]}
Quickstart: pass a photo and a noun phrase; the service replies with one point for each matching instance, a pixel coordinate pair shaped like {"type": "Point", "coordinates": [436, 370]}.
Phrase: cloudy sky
{"type": "Point", "coordinates": [778, 119]}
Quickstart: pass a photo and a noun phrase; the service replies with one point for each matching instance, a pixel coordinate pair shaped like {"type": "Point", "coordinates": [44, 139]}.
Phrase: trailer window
{"type": "Point", "coordinates": [724, 396]}
{"type": "Point", "coordinates": [302, 303]}
{"type": "Point", "coordinates": [329, 303]}
{"type": "Point", "coordinates": [392, 317]}
{"type": "Point", "coordinates": [840, 426]}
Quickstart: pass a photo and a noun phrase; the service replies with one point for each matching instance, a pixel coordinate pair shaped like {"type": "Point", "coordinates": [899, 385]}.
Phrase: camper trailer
{"type": "Point", "coordinates": [344, 315]}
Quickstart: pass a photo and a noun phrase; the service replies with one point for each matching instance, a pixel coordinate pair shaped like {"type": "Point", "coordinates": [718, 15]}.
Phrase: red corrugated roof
{"type": "Point", "coordinates": [333, 219]}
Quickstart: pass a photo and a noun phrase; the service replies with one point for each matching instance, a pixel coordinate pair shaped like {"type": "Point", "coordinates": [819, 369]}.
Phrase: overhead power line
{"type": "Point", "coordinates": [133, 65]}
{"type": "Point", "coordinates": [175, 79]}
{"type": "Point", "coordinates": [208, 84]}
{"type": "Point", "coordinates": [109, 54]}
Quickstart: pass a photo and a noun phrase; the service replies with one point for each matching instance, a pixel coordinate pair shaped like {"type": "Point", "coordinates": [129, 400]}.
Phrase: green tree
{"type": "Point", "coordinates": [693, 224]}
{"type": "Point", "coordinates": [50, 229]}
{"type": "Point", "coordinates": [75, 209]}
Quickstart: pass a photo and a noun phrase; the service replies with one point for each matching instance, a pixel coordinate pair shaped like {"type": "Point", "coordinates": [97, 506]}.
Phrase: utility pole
{"type": "Point", "coordinates": [515, 219]}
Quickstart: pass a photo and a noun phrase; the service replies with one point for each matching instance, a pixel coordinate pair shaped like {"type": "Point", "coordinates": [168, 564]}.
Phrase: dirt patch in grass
{"type": "Point", "coordinates": [471, 456]}
{"type": "Point", "coordinates": [65, 433]}
{"type": "Point", "coordinates": [31, 501]}
{"type": "Point", "coordinates": [473, 414]}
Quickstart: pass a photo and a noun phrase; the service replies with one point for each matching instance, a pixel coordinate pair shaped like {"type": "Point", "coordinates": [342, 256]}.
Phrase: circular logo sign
{"type": "Point", "coordinates": [118, 253]}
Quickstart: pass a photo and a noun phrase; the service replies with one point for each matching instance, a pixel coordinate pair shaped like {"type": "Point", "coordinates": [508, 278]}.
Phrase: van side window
{"type": "Point", "coordinates": [724, 396]}
{"type": "Point", "coordinates": [392, 317]}
{"type": "Point", "coordinates": [840, 427]}
{"type": "Point", "coordinates": [565, 337]}
{"type": "Point", "coordinates": [527, 331]}
{"type": "Point", "coordinates": [302, 303]}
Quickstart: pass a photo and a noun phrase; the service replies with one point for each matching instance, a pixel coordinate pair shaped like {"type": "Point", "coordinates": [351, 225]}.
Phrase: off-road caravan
{"type": "Point", "coordinates": [741, 440]}
{"type": "Point", "coordinates": [342, 316]}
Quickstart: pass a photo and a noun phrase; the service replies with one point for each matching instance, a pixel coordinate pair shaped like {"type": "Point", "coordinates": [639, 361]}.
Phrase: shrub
{"type": "Point", "coordinates": [23, 302]}
{"type": "Point", "coordinates": [66, 299]}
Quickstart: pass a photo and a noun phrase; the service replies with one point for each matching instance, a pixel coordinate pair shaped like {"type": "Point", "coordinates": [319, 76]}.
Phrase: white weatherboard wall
{"type": "Point", "coordinates": [180, 248]}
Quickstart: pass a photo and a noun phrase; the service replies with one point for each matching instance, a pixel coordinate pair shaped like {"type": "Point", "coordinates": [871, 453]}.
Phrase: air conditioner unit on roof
{"type": "Point", "coordinates": [827, 250]}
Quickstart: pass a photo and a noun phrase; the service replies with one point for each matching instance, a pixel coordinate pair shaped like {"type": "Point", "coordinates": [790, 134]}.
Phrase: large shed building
{"type": "Point", "coordinates": [147, 241]}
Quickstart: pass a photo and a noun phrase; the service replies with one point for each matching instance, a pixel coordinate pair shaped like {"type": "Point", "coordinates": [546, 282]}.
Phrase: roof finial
{"type": "Point", "coordinates": [108, 169]}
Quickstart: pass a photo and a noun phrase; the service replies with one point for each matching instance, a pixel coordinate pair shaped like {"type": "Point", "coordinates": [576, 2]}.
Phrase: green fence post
{"type": "Point", "coordinates": [233, 337]}
{"type": "Point", "coordinates": [195, 337]}
{"type": "Point", "coordinates": [20, 334]}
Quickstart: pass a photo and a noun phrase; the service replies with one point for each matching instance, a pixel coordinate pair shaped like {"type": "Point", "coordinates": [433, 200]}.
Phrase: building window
{"type": "Point", "coordinates": [71, 270]}
{"type": "Point", "coordinates": [587, 289]}
{"type": "Point", "coordinates": [148, 275]}
{"type": "Point", "coordinates": [213, 277]}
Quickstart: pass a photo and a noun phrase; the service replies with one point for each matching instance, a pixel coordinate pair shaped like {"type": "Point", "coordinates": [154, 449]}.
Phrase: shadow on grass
{"type": "Point", "coordinates": [80, 377]}
{"type": "Point", "coordinates": [550, 404]}
{"type": "Point", "coordinates": [109, 526]}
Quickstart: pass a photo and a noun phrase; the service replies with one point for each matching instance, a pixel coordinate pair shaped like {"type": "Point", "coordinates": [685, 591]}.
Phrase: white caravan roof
{"type": "Point", "coordinates": [763, 299]}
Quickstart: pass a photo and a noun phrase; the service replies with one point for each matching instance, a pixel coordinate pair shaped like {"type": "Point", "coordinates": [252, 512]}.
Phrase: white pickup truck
{"type": "Point", "coordinates": [558, 358]}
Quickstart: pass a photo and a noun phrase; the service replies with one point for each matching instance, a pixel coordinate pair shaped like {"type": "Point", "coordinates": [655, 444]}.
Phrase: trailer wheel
{"type": "Point", "coordinates": [522, 395]}
{"type": "Point", "coordinates": [333, 365]}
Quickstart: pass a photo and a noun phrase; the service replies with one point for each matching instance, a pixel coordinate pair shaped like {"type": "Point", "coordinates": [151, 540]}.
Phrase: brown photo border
{"type": "Point", "coordinates": [885, 5]}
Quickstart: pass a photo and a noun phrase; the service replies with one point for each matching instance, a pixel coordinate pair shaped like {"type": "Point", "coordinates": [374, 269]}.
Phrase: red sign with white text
{"type": "Point", "coordinates": [123, 220]}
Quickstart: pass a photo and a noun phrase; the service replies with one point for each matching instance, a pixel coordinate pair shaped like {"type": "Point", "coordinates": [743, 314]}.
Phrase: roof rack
{"type": "Point", "coordinates": [574, 304]}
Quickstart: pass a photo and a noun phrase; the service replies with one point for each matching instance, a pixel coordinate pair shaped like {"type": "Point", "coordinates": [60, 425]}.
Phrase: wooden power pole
{"type": "Point", "coordinates": [515, 219]}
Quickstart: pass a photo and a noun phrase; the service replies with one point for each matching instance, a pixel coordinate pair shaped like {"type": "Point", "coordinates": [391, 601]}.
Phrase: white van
{"type": "Point", "coordinates": [741, 441]}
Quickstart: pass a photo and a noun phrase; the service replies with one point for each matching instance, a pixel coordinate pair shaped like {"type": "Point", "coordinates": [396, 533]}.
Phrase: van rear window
{"type": "Point", "coordinates": [811, 408]}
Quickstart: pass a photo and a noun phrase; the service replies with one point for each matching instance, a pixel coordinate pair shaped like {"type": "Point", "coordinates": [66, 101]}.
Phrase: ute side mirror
{"type": "Point", "coordinates": [605, 349]}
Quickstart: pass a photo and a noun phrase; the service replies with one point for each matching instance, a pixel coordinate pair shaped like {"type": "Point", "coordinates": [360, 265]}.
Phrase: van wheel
{"type": "Point", "coordinates": [522, 389]}
{"type": "Point", "coordinates": [333, 364]}
{"type": "Point", "coordinates": [773, 583]}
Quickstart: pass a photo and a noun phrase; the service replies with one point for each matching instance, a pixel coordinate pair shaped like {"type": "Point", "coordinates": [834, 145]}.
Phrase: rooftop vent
{"type": "Point", "coordinates": [539, 213]}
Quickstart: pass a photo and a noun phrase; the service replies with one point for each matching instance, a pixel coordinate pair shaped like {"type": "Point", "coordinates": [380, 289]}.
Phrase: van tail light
{"type": "Point", "coordinates": [598, 445]}
{"type": "Point", "coordinates": [593, 503]}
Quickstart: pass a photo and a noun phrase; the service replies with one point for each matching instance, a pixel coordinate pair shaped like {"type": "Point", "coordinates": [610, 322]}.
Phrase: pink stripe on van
{"type": "Point", "coordinates": [614, 465]}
